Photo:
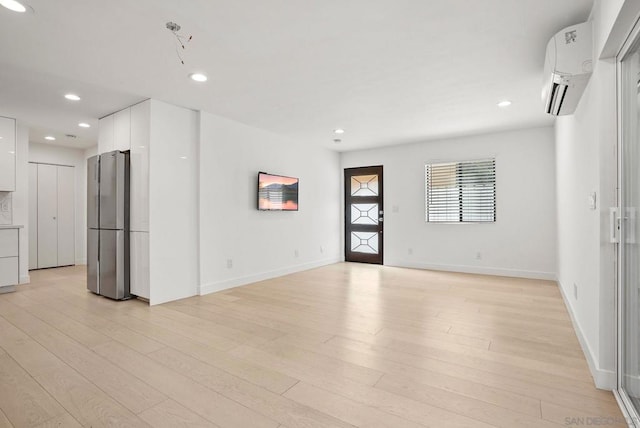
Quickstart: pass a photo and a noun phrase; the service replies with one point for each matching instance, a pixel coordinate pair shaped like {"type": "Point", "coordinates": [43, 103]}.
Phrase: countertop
{"type": "Point", "coordinates": [11, 226]}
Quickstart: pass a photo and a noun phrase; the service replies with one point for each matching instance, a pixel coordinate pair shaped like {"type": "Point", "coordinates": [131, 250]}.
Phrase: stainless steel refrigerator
{"type": "Point", "coordinates": [108, 225]}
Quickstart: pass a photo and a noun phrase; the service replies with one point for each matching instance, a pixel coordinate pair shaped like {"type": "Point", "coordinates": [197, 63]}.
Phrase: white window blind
{"type": "Point", "coordinates": [461, 192]}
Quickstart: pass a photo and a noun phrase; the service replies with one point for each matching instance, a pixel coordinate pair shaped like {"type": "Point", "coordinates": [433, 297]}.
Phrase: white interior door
{"type": "Point", "coordinates": [66, 216]}
{"type": "Point", "coordinates": [33, 216]}
{"type": "Point", "coordinates": [47, 216]}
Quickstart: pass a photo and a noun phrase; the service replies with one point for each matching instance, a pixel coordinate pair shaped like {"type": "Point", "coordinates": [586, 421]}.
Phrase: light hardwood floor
{"type": "Point", "coordinates": [343, 345]}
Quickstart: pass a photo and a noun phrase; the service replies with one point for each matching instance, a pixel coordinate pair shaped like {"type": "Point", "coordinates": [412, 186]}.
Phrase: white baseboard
{"type": "Point", "coordinates": [26, 279]}
{"type": "Point", "coordinates": [236, 282]}
{"type": "Point", "coordinates": [516, 273]}
{"type": "Point", "coordinates": [604, 379]}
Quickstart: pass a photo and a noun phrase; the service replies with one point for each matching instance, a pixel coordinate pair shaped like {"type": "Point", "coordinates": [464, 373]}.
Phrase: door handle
{"type": "Point", "coordinates": [613, 225]}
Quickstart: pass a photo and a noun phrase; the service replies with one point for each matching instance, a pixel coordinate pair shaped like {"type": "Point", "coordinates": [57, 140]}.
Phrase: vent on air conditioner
{"type": "Point", "coordinates": [567, 69]}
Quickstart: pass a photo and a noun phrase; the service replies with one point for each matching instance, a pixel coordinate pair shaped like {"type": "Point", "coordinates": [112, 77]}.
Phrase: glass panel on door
{"type": "Point", "coordinates": [364, 214]}
{"type": "Point", "coordinates": [629, 250]}
{"type": "Point", "coordinates": [364, 185]}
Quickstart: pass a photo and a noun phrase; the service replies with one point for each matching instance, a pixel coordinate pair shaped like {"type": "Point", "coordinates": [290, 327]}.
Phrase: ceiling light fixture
{"type": "Point", "coordinates": [13, 5]}
{"type": "Point", "coordinates": [198, 77]}
{"type": "Point", "coordinates": [337, 141]}
{"type": "Point", "coordinates": [338, 131]}
{"type": "Point", "coordinates": [50, 138]}
{"type": "Point", "coordinates": [72, 97]}
{"type": "Point", "coordinates": [505, 103]}
{"type": "Point", "coordinates": [84, 125]}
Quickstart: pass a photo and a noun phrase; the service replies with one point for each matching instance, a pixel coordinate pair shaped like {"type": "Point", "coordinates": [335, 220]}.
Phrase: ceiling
{"type": "Point", "coordinates": [387, 71]}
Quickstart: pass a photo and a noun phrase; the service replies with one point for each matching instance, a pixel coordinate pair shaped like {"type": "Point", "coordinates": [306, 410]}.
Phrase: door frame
{"type": "Point", "coordinates": [629, 409]}
{"type": "Point", "coordinates": [364, 257]}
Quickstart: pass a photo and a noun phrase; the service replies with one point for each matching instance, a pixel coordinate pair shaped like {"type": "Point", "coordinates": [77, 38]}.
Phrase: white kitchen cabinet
{"type": "Point", "coordinates": [52, 216]}
{"type": "Point", "coordinates": [7, 154]}
{"type": "Point", "coordinates": [115, 132]}
{"type": "Point", "coordinates": [9, 258]}
{"type": "Point", "coordinates": [8, 242]}
{"type": "Point", "coordinates": [106, 134]}
{"type": "Point", "coordinates": [140, 144]}
{"type": "Point", "coordinates": [9, 273]}
{"type": "Point", "coordinates": [122, 130]}
{"type": "Point", "coordinates": [139, 251]}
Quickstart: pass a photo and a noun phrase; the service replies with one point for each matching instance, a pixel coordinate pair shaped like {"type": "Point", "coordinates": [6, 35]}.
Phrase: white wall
{"type": "Point", "coordinates": [262, 244]}
{"type": "Point", "coordinates": [586, 163]}
{"type": "Point", "coordinates": [522, 240]}
{"type": "Point", "coordinates": [173, 203]}
{"type": "Point", "coordinates": [45, 153]}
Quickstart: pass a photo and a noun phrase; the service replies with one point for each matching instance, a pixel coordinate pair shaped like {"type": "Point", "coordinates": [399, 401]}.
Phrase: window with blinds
{"type": "Point", "coordinates": [461, 192]}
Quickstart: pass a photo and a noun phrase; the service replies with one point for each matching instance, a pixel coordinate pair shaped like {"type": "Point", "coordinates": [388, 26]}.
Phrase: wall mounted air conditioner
{"type": "Point", "coordinates": [567, 69]}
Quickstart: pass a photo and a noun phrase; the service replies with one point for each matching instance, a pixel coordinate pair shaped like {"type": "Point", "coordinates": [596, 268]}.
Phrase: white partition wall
{"type": "Point", "coordinates": [238, 243]}
{"type": "Point", "coordinates": [173, 203]}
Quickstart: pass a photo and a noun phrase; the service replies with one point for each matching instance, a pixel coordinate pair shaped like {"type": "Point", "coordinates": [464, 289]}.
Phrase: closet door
{"type": "Point", "coordinates": [33, 216]}
{"type": "Point", "coordinates": [66, 220]}
{"type": "Point", "coordinates": [47, 216]}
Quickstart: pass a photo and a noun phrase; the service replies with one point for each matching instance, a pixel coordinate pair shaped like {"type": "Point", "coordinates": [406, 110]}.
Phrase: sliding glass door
{"type": "Point", "coordinates": [628, 227]}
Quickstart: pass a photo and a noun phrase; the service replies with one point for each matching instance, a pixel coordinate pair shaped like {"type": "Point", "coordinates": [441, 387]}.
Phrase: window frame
{"type": "Point", "coordinates": [428, 167]}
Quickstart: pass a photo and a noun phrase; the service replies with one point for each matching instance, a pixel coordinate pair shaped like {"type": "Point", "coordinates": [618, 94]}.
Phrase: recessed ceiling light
{"type": "Point", "coordinates": [198, 77]}
{"type": "Point", "coordinates": [13, 5]}
{"type": "Point", "coordinates": [505, 103]}
{"type": "Point", "coordinates": [337, 141]}
{"type": "Point", "coordinates": [72, 97]}
{"type": "Point", "coordinates": [84, 125]}
{"type": "Point", "coordinates": [50, 138]}
{"type": "Point", "coordinates": [338, 131]}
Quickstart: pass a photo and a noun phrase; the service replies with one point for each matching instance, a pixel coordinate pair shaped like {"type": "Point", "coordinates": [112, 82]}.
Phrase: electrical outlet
{"type": "Point", "coordinates": [229, 263]}
{"type": "Point", "coordinates": [575, 291]}
{"type": "Point", "coordinates": [321, 249]}
{"type": "Point", "coordinates": [478, 255]}
{"type": "Point", "coordinates": [4, 207]}
{"type": "Point", "coordinates": [410, 251]}
{"type": "Point", "coordinates": [296, 253]}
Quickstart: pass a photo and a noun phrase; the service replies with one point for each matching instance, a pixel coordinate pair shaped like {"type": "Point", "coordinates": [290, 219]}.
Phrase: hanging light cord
{"type": "Point", "coordinates": [180, 39]}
